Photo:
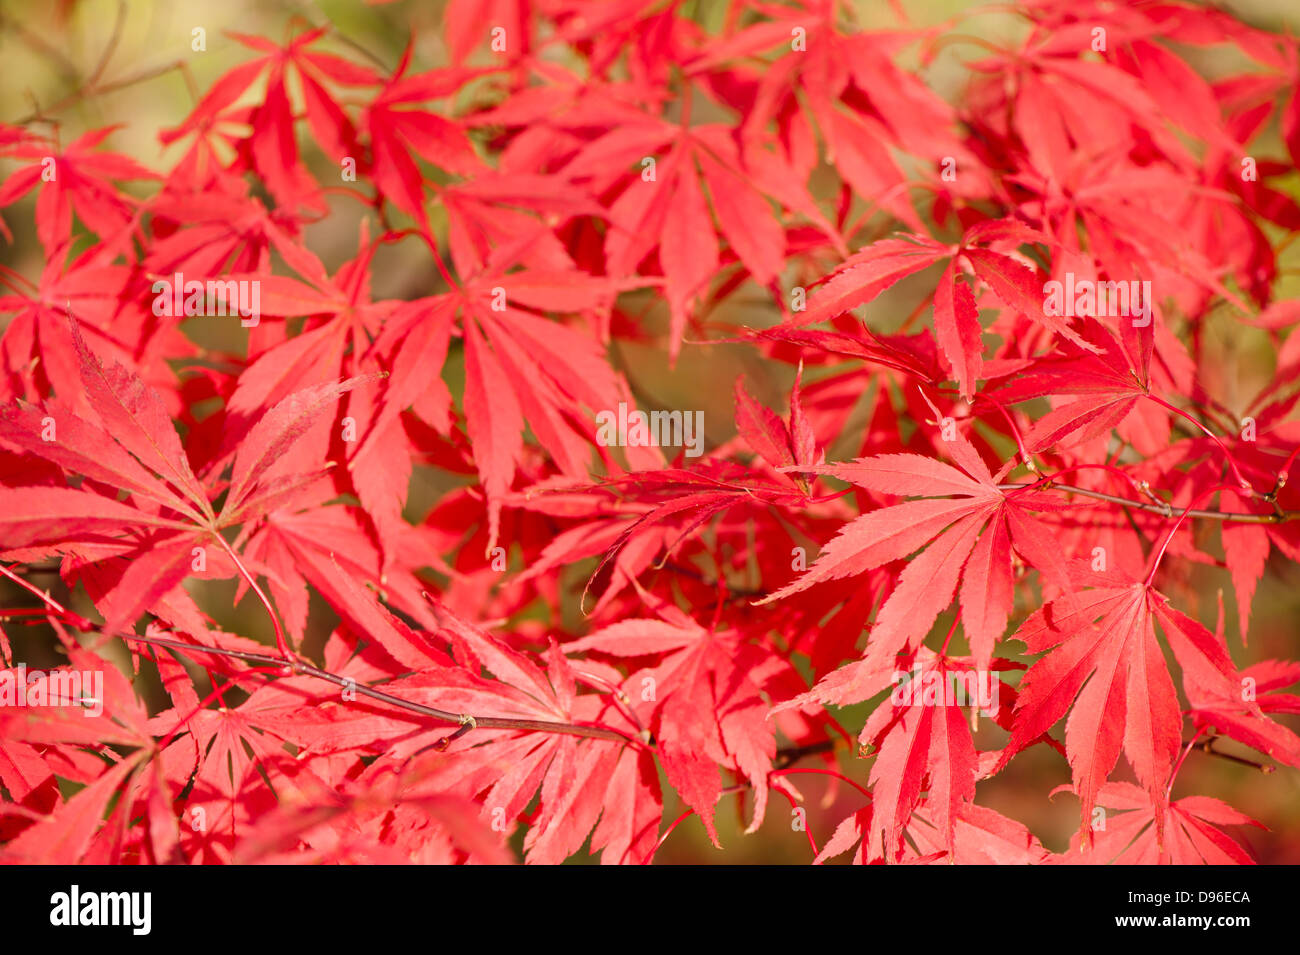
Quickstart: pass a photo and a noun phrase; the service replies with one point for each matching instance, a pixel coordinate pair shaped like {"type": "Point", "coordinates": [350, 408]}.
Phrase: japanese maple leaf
{"type": "Point", "coordinates": [144, 458]}
{"type": "Point", "coordinates": [140, 774]}
{"type": "Point", "coordinates": [851, 833]}
{"type": "Point", "coordinates": [219, 234]}
{"type": "Point", "coordinates": [1063, 101]}
{"type": "Point", "coordinates": [1181, 94]}
{"type": "Point", "coordinates": [1132, 835]}
{"type": "Point", "coordinates": [1242, 715]}
{"type": "Point", "coordinates": [372, 822]}
{"type": "Point", "coordinates": [329, 549]}
{"type": "Point", "coordinates": [79, 180]}
{"type": "Point", "coordinates": [920, 746]}
{"type": "Point", "coordinates": [845, 82]}
{"type": "Point", "coordinates": [913, 355]}
{"type": "Point", "coordinates": [36, 353]}
{"type": "Point", "coordinates": [13, 138]}
{"type": "Point", "coordinates": [342, 318]}
{"type": "Point", "coordinates": [708, 710]}
{"type": "Point", "coordinates": [670, 212]}
{"type": "Point", "coordinates": [980, 836]}
{"type": "Point", "coordinates": [673, 504]}
{"type": "Point", "coordinates": [396, 131]}
{"type": "Point", "coordinates": [64, 837]}
{"type": "Point", "coordinates": [550, 364]}
{"type": "Point", "coordinates": [134, 448]}
{"type": "Point", "coordinates": [1113, 202]}
{"type": "Point", "coordinates": [970, 525]}
{"type": "Point", "coordinates": [1102, 384]}
{"type": "Point", "coordinates": [273, 145]}
{"type": "Point", "coordinates": [463, 27]}
{"type": "Point", "coordinates": [670, 506]}
{"type": "Point", "coordinates": [238, 757]}
{"type": "Point", "coordinates": [922, 742]}
{"type": "Point", "coordinates": [1105, 667]}
{"type": "Point", "coordinates": [520, 366]}
{"type": "Point", "coordinates": [498, 210]}
{"type": "Point", "coordinates": [1245, 551]}
{"type": "Point", "coordinates": [585, 784]}
{"type": "Point", "coordinates": [868, 273]}
{"type": "Point", "coordinates": [217, 154]}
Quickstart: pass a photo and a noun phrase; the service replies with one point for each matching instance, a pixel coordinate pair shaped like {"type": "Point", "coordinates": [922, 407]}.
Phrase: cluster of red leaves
{"type": "Point", "coordinates": [993, 450]}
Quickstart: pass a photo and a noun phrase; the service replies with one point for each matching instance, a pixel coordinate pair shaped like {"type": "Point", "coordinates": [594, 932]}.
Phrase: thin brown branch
{"type": "Point", "coordinates": [346, 40]}
{"type": "Point", "coordinates": [111, 46]}
{"type": "Point", "coordinates": [1207, 747]}
{"type": "Point", "coordinates": [465, 721]}
{"type": "Point", "coordinates": [1164, 510]}
{"type": "Point", "coordinates": [37, 42]}
{"type": "Point", "coordinates": [792, 754]}
{"type": "Point", "coordinates": [87, 91]}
